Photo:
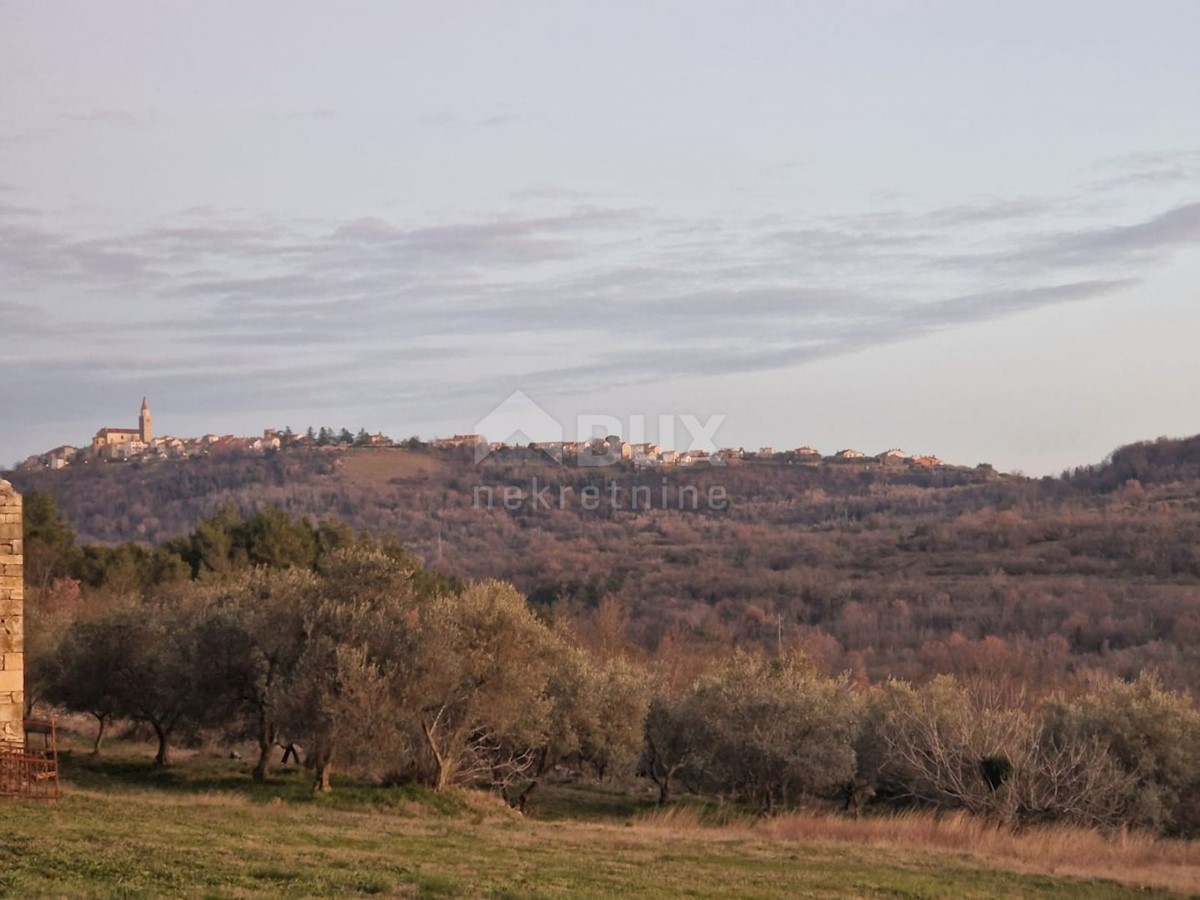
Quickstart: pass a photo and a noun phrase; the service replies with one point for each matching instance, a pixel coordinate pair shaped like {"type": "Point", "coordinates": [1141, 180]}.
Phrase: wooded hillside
{"type": "Point", "coordinates": [883, 571]}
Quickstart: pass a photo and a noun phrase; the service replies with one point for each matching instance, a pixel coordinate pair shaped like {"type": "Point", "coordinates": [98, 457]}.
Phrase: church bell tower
{"type": "Point", "coordinates": [145, 424]}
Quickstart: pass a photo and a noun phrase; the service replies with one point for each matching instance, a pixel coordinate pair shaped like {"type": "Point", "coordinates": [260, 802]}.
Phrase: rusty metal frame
{"type": "Point", "coordinates": [28, 772]}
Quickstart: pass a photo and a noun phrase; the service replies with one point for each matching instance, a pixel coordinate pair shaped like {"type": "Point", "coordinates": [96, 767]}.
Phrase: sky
{"type": "Point", "coordinates": [968, 229]}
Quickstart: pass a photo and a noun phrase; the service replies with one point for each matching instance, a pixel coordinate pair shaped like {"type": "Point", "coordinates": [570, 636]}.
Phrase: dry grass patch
{"type": "Point", "coordinates": [378, 467]}
{"type": "Point", "coordinates": [1130, 858]}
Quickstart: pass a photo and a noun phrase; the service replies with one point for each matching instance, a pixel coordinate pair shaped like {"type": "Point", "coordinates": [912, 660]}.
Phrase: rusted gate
{"type": "Point", "coordinates": [30, 772]}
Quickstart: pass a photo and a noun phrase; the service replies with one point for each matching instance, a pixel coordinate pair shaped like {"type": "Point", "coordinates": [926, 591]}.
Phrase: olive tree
{"type": "Point", "coordinates": [337, 692]}
{"type": "Point", "coordinates": [772, 730]}
{"type": "Point", "coordinates": [475, 678]}
{"type": "Point", "coordinates": [268, 606]}
{"type": "Point", "coordinates": [597, 708]}
{"type": "Point", "coordinates": [1151, 738]}
{"type": "Point", "coordinates": [80, 673]}
{"type": "Point", "coordinates": [172, 664]}
{"type": "Point", "coordinates": [672, 746]}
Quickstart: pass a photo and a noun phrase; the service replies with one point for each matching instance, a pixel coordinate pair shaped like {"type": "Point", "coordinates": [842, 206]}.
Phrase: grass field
{"type": "Point", "coordinates": [202, 829]}
{"type": "Point", "coordinates": [377, 467]}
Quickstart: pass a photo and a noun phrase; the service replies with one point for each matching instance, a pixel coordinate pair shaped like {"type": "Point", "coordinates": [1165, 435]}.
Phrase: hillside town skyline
{"type": "Point", "coordinates": [114, 444]}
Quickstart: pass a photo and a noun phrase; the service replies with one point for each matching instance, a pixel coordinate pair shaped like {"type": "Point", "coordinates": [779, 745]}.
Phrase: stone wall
{"type": "Point", "coordinates": [12, 602]}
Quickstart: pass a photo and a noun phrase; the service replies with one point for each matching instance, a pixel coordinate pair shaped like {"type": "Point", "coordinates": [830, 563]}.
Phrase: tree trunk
{"type": "Point", "coordinates": [442, 781]}
{"type": "Point", "coordinates": [266, 743]}
{"type": "Point", "coordinates": [324, 768]}
{"type": "Point", "coordinates": [663, 781]}
{"type": "Point", "coordinates": [264, 761]}
{"type": "Point", "coordinates": [542, 765]}
{"type": "Point", "coordinates": [442, 778]}
{"type": "Point", "coordinates": [523, 797]}
{"type": "Point", "coordinates": [103, 721]}
{"type": "Point", "coordinates": [162, 758]}
{"type": "Point", "coordinates": [767, 809]}
{"type": "Point", "coordinates": [320, 759]}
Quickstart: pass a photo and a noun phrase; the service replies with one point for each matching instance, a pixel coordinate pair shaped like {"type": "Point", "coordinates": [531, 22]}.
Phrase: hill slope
{"type": "Point", "coordinates": [886, 571]}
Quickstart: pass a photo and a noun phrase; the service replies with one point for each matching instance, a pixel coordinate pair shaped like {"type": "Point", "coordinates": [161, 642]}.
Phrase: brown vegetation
{"type": "Point", "coordinates": [1126, 857]}
{"type": "Point", "coordinates": [884, 572]}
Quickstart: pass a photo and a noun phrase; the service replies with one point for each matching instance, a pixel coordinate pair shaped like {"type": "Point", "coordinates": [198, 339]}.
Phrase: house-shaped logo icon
{"type": "Point", "coordinates": [518, 421]}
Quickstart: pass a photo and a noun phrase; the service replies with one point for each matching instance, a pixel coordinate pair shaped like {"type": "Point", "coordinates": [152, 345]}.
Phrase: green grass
{"type": "Point", "coordinates": [202, 829]}
{"type": "Point", "coordinates": [123, 772]}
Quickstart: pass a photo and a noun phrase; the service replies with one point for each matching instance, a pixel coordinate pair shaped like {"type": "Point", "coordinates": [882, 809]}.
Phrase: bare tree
{"type": "Point", "coordinates": [943, 746]}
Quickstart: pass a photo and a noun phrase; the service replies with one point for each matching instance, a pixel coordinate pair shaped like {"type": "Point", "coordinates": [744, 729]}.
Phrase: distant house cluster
{"type": "Point", "coordinates": [614, 449]}
{"type": "Point", "coordinates": [892, 457]}
{"type": "Point", "coordinates": [609, 449]}
{"type": "Point", "coordinates": [458, 441]}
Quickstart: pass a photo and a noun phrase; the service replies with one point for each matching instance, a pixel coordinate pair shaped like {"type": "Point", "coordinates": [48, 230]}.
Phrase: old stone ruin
{"type": "Point", "coordinates": [28, 751]}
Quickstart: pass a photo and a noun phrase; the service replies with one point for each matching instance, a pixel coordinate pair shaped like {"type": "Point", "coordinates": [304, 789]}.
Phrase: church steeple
{"type": "Point", "coordinates": [145, 423]}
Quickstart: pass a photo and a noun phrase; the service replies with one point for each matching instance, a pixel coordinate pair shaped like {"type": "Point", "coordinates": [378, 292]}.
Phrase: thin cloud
{"type": "Point", "coordinates": [320, 114]}
{"type": "Point", "coordinates": [25, 320]}
{"type": "Point", "coordinates": [553, 193]}
{"type": "Point", "coordinates": [714, 356]}
{"type": "Point", "coordinates": [10, 209]}
{"type": "Point", "coordinates": [114, 117]}
{"type": "Point", "coordinates": [27, 136]}
{"type": "Point", "coordinates": [821, 241]}
{"type": "Point", "coordinates": [32, 257]}
{"type": "Point", "coordinates": [499, 121]}
{"type": "Point", "coordinates": [440, 119]}
{"type": "Point", "coordinates": [1148, 170]}
{"type": "Point", "coordinates": [1161, 177]}
{"type": "Point", "coordinates": [1140, 242]}
{"type": "Point", "coordinates": [992, 211]}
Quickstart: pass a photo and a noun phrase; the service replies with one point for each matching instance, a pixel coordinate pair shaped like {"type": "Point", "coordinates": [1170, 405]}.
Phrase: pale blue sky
{"type": "Point", "coordinates": [970, 229]}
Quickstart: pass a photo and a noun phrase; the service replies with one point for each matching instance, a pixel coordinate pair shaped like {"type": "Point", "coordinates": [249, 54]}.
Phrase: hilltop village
{"type": "Point", "coordinates": [116, 445]}
{"type": "Point", "coordinates": [112, 444]}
